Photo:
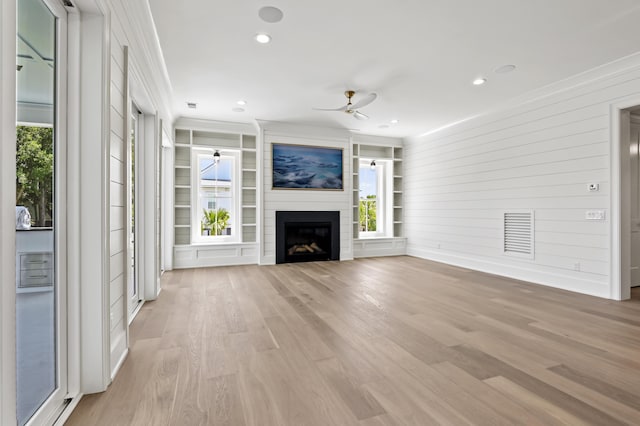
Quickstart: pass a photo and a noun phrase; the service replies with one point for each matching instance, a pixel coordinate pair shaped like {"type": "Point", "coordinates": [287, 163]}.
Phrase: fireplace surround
{"type": "Point", "coordinates": [307, 236]}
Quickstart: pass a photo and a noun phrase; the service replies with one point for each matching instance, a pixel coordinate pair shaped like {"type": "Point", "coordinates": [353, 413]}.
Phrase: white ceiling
{"type": "Point", "coordinates": [35, 45]}
{"type": "Point", "coordinates": [420, 56]}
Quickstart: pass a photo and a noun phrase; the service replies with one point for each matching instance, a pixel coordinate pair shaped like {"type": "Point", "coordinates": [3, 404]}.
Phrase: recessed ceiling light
{"type": "Point", "coordinates": [395, 121]}
{"type": "Point", "coordinates": [263, 38]}
{"type": "Point", "coordinates": [270, 14]}
{"type": "Point", "coordinates": [192, 105]}
{"type": "Point", "coordinates": [241, 102]}
{"type": "Point", "coordinates": [505, 69]}
{"type": "Point", "coordinates": [479, 81]}
{"type": "Point", "coordinates": [238, 109]}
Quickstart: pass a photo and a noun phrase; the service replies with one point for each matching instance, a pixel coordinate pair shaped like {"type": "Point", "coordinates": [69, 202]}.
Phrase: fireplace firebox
{"type": "Point", "coordinates": [307, 236]}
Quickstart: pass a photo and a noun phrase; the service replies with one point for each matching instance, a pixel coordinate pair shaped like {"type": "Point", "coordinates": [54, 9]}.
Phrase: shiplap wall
{"type": "Point", "coordinates": [117, 299]}
{"type": "Point", "coordinates": [292, 200]}
{"type": "Point", "coordinates": [131, 26]}
{"type": "Point", "coordinates": [540, 155]}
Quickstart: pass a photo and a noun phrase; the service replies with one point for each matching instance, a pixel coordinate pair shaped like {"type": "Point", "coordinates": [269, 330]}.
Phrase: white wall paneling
{"type": "Point", "coordinates": [302, 200]}
{"type": "Point", "coordinates": [539, 155]}
{"type": "Point", "coordinates": [93, 199]}
{"type": "Point", "coordinates": [7, 212]}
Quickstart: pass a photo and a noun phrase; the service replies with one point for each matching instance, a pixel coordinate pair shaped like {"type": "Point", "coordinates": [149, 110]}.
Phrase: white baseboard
{"type": "Point", "coordinates": [119, 347]}
{"type": "Point", "coordinates": [577, 285]}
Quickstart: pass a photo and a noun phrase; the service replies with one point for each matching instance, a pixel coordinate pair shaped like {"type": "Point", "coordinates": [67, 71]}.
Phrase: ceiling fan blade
{"type": "Point", "coordinates": [344, 108]}
{"type": "Point", "coordinates": [365, 101]}
{"type": "Point", "coordinates": [360, 116]}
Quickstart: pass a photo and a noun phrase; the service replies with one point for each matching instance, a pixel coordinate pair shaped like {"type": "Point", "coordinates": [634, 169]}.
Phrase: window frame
{"type": "Point", "coordinates": [384, 198]}
{"type": "Point", "coordinates": [236, 191]}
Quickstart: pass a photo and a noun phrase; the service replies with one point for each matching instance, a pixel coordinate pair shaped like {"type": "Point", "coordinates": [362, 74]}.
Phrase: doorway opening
{"type": "Point", "coordinates": [133, 282]}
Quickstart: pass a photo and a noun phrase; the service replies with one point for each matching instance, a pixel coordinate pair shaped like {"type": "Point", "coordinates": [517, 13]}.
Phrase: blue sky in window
{"type": "Point", "coordinates": [223, 169]}
{"type": "Point", "coordinates": [368, 182]}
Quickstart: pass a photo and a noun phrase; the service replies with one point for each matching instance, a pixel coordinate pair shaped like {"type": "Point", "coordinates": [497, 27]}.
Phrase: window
{"type": "Point", "coordinates": [216, 191]}
{"type": "Point", "coordinates": [374, 206]}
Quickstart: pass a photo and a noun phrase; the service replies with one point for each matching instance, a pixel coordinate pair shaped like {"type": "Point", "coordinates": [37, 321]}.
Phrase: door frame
{"type": "Point", "coordinates": [8, 108]}
{"type": "Point", "coordinates": [132, 306]}
{"type": "Point", "coordinates": [55, 402]}
{"type": "Point", "coordinates": [620, 230]}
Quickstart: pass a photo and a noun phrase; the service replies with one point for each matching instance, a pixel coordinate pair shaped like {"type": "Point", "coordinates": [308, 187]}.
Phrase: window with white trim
{"type": "Point", "coordinates": [375, 198]}
{"type": "Point", "coordinates": [216, 195]}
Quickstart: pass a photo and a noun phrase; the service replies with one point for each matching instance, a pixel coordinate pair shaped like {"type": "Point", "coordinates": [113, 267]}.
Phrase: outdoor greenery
{"type": "Point", "coordinates": [216, 221]}
{"type": "Point", "coordinates": [368, 214]}
{"type": "Point", "coordinates": [34, 172]}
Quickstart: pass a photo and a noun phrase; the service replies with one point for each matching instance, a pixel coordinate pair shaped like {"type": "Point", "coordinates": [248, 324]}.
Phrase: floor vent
{"type": "Point", "coordinates": [518, 233]}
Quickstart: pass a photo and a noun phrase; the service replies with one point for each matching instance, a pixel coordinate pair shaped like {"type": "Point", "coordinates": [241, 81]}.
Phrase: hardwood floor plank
{"type": "Point", "coordinates": [598, 385]}
{"type": "Point", "coordinates": [379, 341]}
{"type": "Point", "coordinates": [541, 408]}
{"type": "Point", "coordinates": [357, 398]}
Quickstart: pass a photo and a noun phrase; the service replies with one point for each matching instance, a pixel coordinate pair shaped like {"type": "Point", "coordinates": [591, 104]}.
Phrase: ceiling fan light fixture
{"type": "Point", "coordinates": [241, 102]}
{"type": "Point", "coordinates": [479, 81]}
{"type": "Point", "coordinates": [263, 38]}
{"type": "Point", "coordinates": [373, 165]}
{"type": "Point", "coordinates": [216, 157]}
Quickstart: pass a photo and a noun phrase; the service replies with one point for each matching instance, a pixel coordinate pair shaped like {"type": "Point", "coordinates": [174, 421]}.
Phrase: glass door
{"type": "Point", "coordinates": [133, 281]}
{"type": "Point", "coordinates": [40, 211]}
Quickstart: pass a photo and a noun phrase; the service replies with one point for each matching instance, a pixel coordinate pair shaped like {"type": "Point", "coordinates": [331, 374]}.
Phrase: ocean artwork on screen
{"type": "Point", "coordinates": [306, 167]}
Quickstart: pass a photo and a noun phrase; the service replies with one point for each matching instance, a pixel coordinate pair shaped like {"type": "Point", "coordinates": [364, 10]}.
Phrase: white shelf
{"type": "Point", "coordinates": [249, 224]}
{"type": "Point", "coordinates": [184, 145]}
{"type": "Point", "coordinates": [249, 187]}
{"type": "Point", "coordinates": [397, 221]}
{"type": "Point", "coordinates": [397, 207]}
{"type": "Point", "coordinates": [183, 186]}
{"type": "Point", "coordinates": [182, 226]}
{"type": "Point", "coordinates": [248, 206]}
{"type": "Point", "coordinates": [182, 167]}
{"type": "Point", "coordinates": [182, 206]}
{"type": "Point", "coordinates": [249, 170]}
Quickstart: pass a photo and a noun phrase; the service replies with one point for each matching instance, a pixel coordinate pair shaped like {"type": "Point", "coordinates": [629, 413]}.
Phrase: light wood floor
{"type": "Point", "coordinates": [372, 342]}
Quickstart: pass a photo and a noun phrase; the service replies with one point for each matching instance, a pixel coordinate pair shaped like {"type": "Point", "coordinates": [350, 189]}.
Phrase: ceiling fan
{"type": "Point", "coordinates": [351, 108]}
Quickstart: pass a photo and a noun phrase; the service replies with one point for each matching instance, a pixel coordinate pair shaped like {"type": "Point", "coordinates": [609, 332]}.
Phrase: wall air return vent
{"type": "Point", "coordinates": [518, 233]}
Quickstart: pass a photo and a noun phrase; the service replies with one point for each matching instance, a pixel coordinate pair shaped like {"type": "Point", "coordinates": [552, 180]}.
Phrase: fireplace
{"type": "Point", "coordinates": [307, 236]}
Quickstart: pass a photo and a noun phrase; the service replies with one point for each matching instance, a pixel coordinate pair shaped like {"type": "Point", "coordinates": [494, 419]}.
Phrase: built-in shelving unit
{"type": "Point", "coordinates": [249, 188]}
{"type": "Point", "coordinates": [379, 153]}
{"type": "Point", "coordinates": [397, 192]}
{"type": "Point", "coordinates": [195, 134]}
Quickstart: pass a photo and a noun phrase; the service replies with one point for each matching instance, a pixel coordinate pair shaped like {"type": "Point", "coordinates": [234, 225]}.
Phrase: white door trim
{"type": "Point", "coordinates": [620, 210]}
{"type": "Point", "coordinates": [7, 211]}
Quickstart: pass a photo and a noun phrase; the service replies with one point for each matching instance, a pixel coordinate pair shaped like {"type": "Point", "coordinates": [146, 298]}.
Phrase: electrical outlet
{"type": "Point", "coordinates": [594, 215]}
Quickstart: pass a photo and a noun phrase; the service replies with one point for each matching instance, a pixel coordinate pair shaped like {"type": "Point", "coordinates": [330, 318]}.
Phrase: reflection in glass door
{"type": "Point", "coordinates": [133, 282]}
{"type": "Point", "coordinates": [40, 203]}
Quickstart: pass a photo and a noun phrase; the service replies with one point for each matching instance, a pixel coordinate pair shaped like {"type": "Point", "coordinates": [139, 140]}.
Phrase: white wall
{"type": "Point", "coordinates": [540, 154]}
{"type": "Point", "coordinates": [131, 26]}
{"type": "Point", "coordinates": [292, 200]}
{"type": "Point", "coordinates": [7, 211]}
